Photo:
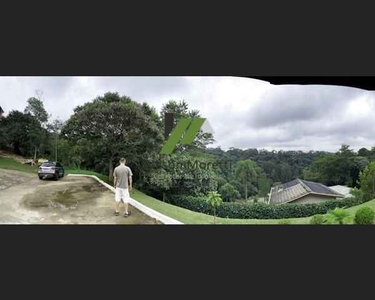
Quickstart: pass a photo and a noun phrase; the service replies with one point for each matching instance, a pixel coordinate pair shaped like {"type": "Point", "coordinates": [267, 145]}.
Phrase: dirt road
{"type": "Point", "coordinates": [24, 199]}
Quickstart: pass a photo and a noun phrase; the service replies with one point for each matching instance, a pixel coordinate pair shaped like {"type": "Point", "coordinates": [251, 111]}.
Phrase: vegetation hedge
{"type": "Point", "coordinates": [235, 210]}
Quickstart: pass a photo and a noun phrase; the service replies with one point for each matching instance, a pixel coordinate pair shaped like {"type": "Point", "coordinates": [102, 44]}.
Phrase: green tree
{"type": "Point", "coordinates": [229, 193]}
{"type": "Point", "coordinates": [23, 132]}
{"type": "Point", "coordinates": [367, 181]}
{"type": "Point", "coordinates": [69, 154]}
{"type": "Point", "coordinates": [189, 175]}
{"type": "Point", "coordinates": [264, 185]}
{"type": "Point", "coordinates": [286, 172]}
{"type": "Point", "coordinates": [246, 172]}
{"type": "Point", "coordinates": [273, 163]}
{"type": "Point", "coordinates": [342, 168]}
{"type": "Point", "coordinates": [112, 126]}
{"type": "Point", "coordinates": [364, 152]}
{"type": "Point", "coordinates": [161, 181]}
{"type": "Point", "coordinates": [4, 141]}
{"type": "Point", "coordinates": [180, 110]}
{"type": "Point", "coordinates": [35, 107]}
{"type": "Point", "coordinates": [214, 200]}
{"type": "Point", "coordinates": [55, 128]}
{"type": "Point", "coordinates": [357, 193]}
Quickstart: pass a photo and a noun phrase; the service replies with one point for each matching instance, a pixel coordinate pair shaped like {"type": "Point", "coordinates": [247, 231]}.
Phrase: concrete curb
{"type": "Point", "coordinates": [143, 208]}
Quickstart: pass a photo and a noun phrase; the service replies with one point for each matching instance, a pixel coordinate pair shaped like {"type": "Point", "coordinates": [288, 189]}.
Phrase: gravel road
{"type": "Point", "coordinates": [24, 199]}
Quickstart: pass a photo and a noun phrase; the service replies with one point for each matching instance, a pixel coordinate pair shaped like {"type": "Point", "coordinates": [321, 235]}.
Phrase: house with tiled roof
{"type": "Point", "coordinates": [303, 192]}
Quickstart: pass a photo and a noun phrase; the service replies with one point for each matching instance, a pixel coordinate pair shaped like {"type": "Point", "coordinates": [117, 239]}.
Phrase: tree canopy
{"type": "Point", "coordinates": [36, 108]}
{"type": "Point", "coordinates": [112, 126]}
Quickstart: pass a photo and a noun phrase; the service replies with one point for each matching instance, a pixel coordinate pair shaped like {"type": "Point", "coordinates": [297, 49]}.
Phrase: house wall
{"type": "Point", "coordinates": [312, 199]}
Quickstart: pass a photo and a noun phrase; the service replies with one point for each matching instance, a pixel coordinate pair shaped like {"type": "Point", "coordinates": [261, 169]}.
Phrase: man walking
{"type": "Point", "coordinates": [123, 184]}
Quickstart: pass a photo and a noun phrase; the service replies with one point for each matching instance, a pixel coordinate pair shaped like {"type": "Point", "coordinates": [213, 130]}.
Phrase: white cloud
{"type": "Point", "coordinates": [243, 112]}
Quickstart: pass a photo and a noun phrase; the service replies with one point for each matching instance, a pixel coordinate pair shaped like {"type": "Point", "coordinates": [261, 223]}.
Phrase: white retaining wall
{"type": "Point", "coordinates": [143, 208]}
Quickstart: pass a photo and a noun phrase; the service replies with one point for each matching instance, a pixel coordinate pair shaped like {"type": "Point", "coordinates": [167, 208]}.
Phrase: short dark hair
{"type": "Point", "coordinates": [122, 160]}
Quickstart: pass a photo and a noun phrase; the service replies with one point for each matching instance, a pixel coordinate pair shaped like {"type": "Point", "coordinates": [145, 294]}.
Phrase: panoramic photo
{"type": "Point", "coordinates": [185, 150]}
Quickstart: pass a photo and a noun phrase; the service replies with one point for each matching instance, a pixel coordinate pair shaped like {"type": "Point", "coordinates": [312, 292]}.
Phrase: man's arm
{"type": "Point", "coordinates": [114, 179]}
{"type": "Point", "coordinates": [130, 179]}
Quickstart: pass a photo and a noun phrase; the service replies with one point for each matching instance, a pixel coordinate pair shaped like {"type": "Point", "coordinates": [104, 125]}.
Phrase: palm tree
{"type": "Point", "coordinates": [214, 199]}
{"type": "Point", "coordinates": [338, 216]}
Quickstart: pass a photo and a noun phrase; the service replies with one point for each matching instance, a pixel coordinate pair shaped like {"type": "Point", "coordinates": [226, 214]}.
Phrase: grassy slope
{"type": "Point", "coordinates": [10, 164]}
{"type": "Point", "coordinates": [178, 213]}
{"type": "Point", "coordinates": [352, 210]}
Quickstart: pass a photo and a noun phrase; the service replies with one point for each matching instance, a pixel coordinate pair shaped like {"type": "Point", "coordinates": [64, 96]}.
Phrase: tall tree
{"type": "Point", "coordinates": [113, 126]}
{"type": "Point", "coordinates": [247, 174]}
{"type": "Point", "coordinates": [161, 181]}
{"type": "Point", "coordinates": [55, 128]}
{"type": "Point", "coordinates": [264, 185]}
{"type": "Point", "coordinates": [23, 132]}
{"type": "Point", "coordinates": [367, 181]}
{"type": "Point", "coordinates": [229, 193]}
{"type": "Point", "coordinates": [180, 110]}
{"type": "Point", "coordinates": [3, 133]}
{"type": "Point", "coordinates": [35, 107]}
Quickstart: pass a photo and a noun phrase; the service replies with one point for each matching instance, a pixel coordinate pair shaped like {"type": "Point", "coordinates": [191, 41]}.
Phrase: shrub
{"type": "Point", "coordinates": [235, 210]}
{"type": "Point", "coordinates": [284, 222]}
{"type": "Point", "coordinates": [364, 216]}
{"type": "Point", "coordinates": [338, 216]}
{"type": "Point", "coordinates": [317, 219]}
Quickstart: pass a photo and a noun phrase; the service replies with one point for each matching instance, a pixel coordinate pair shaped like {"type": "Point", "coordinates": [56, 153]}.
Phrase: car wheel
{"type": "Point", "coordinates": [40, 177]}
{"type": "Point", "coordinates": [56, 177]}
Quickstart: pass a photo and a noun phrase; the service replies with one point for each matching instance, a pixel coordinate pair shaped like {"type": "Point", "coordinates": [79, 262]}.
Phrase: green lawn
{"type": "Point", "coordinates": [10, 164]}
{"type": "Point", "coordinates": [178, 213]}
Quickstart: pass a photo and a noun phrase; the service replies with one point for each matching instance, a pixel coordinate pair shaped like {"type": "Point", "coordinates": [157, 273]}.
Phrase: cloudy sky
{"type": "Point", "coordinates": [243, 112]}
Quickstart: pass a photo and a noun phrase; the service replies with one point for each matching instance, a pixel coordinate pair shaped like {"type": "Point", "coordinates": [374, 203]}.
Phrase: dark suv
{"type": "Point", "coordinates": [51, 170]}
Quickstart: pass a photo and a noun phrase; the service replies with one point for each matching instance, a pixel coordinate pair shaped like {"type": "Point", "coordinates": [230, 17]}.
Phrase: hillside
{"type": "Point", "coordinates": [178, 213]}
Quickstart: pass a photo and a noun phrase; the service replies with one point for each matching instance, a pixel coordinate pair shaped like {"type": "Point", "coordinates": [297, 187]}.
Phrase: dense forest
{"type": "Point", "coordinates": [111, 126]}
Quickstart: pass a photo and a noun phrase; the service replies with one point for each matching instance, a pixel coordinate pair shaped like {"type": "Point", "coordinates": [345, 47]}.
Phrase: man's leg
{"type": "Point", "coordinates": [117, 200]}
{"type": "Point", "coordinates": [126, 202]}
